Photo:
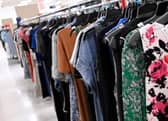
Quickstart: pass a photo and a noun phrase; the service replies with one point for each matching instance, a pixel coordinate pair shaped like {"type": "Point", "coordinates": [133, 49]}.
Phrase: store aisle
{"type": "Point", "coordinates": [17, 100]}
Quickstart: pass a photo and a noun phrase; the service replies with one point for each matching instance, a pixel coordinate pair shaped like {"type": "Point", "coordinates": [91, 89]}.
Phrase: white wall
{"type": "Point", "coordinates": [8, 12]}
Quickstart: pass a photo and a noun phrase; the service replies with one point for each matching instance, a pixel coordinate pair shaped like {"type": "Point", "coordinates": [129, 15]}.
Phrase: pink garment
{"type": "Point", "coordinates": [150, 35]}
{"type": "Point", "coordinates": [23, 33]}
{"type": "Point", "coordinates": [157, 70]}
{"type": "Point", "coordinates": [155, 43]}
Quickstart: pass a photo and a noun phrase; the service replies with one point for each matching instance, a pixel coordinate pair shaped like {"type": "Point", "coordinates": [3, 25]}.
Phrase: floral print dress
{"type": "Point", "coordinates": [155, 45]}
{"type": "Point", "coordinates": [133, 81]}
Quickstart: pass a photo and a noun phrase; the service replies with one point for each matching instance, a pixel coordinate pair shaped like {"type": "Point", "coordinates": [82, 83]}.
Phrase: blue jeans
{"type": "Point", "coordinates": [86, 65]}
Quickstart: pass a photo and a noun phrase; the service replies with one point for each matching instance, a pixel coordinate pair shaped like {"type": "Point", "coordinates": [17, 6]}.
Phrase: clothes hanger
{"type": "Point", "coordinates": [54, 25]}
{"type": "Point", "coordinates": [69, 19]}
{"type": "Point", "coordinates": [113, 16]}
{"type": "Point", "coordinates": [163, 19]}
{"type": "Point", "coordinates": [125, 12]}
{"type": "Point", "coordinates": [144, 12]}
{"type": "Point", "coordinates": [133, 13]}
{"type": "Point", "coordinates": [80, 19]}
{"type": "Point", "coordinates": [130, 7]}
{"type": "Point", "coordinates": [161, 9]}
{"type": "Point", "coordinates": [132, 10]}
{"type": "Point", "coordinates": [92, 16]}
{"type": "Point", "coordinates": [51, 23]}
{"type": "Point", "coordinates": [63, 19]}
{"type": "Point", "coordinates": [147, 9]}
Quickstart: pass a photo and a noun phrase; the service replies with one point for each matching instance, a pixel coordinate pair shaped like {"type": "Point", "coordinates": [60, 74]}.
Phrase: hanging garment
{"type": "Point", "coordinates": [40, 82]}
{"type": "Point", "coordinates": [39, 61]}
{"type": "Point", "coordinates": [106, 76]}
{"type": "Point", "coordinates": [86, 66]}
{"type": "Point", "coordinates": [23, 58]}
{"type": "Point", "coordinates": [11, 45]}
{"type": "Point", "coordinates": [133, 85]}
{"type": "Point", "coordinates": [55, 73]}
{"type": "Point", "coordinates": [115, 40]}
{"type": "Point", "coordinates": [154, 39]}
{"type": "Point", "coordinates": [61, 101]}
{"type": "Point", "coordinates": [85, 113]}
{"type": "Point", "coordinates": [24, 34]}
{"type": "Point", "coordinates": [65, 44]}
{"type": "Point", "coordinates": [19, 47]}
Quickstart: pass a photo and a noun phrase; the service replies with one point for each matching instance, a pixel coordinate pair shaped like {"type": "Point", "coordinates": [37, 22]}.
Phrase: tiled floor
{"type": "Point", "coordinates": [17, 99]}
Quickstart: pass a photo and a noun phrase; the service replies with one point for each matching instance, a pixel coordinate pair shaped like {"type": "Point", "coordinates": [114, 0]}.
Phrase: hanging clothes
{"type": "Point", "coordinates": [24, 34]}
{"type": "Point", "coordinates": [7, 37]}
{"type": "Point", "coordinates": [65, 45]}
{"type": "Point", "coordinates": [154, 39]}
{"type": "Point", "coordinates": [133, 73]}
{"type": "Point", "coordinates": [107, 69]}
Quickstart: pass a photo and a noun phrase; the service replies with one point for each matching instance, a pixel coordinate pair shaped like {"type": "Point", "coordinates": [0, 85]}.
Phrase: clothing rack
{"type": "Point", "coordinates": [57, 11]}
{"type": "Point", "coordinates": [71, 7]}
{"type": "Point", "coordinates": [99, 5]}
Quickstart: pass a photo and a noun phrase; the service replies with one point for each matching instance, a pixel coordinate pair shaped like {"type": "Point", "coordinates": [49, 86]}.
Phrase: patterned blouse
{"type": "Point", "coordinates": [133, 85]}
{"type": "Point", "coordinates": [155, 45]}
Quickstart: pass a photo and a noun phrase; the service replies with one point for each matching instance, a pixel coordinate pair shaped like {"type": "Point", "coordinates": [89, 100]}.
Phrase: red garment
{"type": "Point", "coordinates": [123, 4]}
{"type": "Point", "coordinates": [31, 66]}
{"type": "Point", "coordinates": [24, 37]}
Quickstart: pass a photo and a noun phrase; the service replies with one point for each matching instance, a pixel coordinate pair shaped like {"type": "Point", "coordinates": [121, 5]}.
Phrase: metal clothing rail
{"type": "Point", "coordinates": [57, 11]}
{"type": "Point", "coordinates": [74, 6]}
{"type": "Point", "coordinates": [103, 5]}
{"type": "Point", "coordinates": [99, 5]}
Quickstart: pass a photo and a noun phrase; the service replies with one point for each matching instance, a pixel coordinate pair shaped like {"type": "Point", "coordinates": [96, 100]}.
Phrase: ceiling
{"type": "Point", "coordinates": [7, 3]}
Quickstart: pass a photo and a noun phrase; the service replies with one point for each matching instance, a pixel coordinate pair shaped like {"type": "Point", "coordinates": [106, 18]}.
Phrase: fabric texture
{"type": "Point", "coordinates": [133, 84]}
{"type": "Point", "coordinates": [65, 45]}
{"type": "Point", "coordinates": [86, 64]}
{"type": "Point", "coordinates": [56, 75]}
{"type": "Point", "coordinates": [155, 39]}
{"type": "Point", "coordinates": [85, 113]}
{"type": "Point", "coordinates": [8, 37]}
{"type": "Point", "coordinates": [24, 34]}
{"type": "Point", "coordinates": [106, 75]}
{"type": "Point", "coordinates": [120, 23]}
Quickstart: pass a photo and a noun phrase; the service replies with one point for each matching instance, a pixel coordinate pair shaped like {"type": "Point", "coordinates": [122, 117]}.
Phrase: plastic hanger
{"type": "Point", "coordinates": [112, 15]}
{"type": "Point", "coordinates": [80, 19]}
{"type": "Point", "coordinates": [125, 13]}
{"type": "Point", "coordinates": [92, 17]}
{"type": "Point", "coordinates": [130, 7]}
{"type": "Point", "coordinates": [163, 19]}
{"type": "Point", "coordinates": [52, 22]}
{"type": "Point", "coordinates": [161, 9]}
{"type": "Point", "coordinates": [133, 11]}
{"type": "Point", "coordinates": [146, 10]}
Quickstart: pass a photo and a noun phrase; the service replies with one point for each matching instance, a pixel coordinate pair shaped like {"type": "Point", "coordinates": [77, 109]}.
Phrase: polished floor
{"type": "Point", "coordinates": [17, 99]}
